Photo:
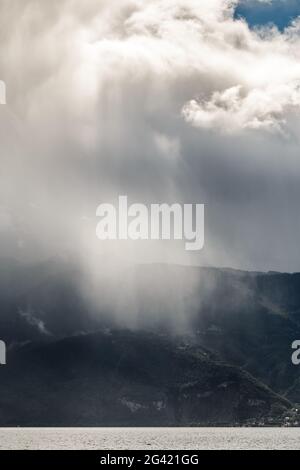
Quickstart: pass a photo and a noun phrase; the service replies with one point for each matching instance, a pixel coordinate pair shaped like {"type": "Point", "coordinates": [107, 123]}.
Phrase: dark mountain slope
{"type": "Point", "coordinates": [249, 319]}
{"type": "Point", "coordinates": [245, 319]}
{"type": "Point", "coordinates": [132, 379]}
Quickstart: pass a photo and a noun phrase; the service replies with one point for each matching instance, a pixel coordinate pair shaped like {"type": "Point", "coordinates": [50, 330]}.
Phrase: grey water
{"type": "Point", "coordinates": [149, 438]}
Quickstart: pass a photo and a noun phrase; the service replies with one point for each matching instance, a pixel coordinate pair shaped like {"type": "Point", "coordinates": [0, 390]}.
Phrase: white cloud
{"type": "Point", "coordinates": [33, 320]}
{"type": "Point", "coordinates": [235, 109]}
{"type": "Point", "coordinates": [108, 97]}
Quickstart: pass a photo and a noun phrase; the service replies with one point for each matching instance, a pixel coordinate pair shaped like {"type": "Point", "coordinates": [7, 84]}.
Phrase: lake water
{"type": "Point", "coordinates": [150, 438]}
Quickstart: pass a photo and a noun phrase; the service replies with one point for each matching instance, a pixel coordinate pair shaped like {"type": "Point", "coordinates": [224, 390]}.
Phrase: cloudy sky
{"type": "Point", "coordinates": [163, 100]}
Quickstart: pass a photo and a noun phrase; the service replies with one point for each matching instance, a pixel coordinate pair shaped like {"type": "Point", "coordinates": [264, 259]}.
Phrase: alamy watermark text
{"type": "Point", "coordinates": [2, 353]}
{"type": "Point", "coordinates": [2, 92]}
{"type": "Point", "coordinates": [156, 222]}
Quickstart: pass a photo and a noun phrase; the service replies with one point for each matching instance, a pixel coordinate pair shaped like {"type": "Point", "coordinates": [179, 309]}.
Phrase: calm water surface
{"type": "Point", "coordinates": [150, 438]}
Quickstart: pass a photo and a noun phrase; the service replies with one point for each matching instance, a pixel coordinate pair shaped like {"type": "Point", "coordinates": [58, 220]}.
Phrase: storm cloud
{"type": "Point", "coordinates": [163, 101]}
